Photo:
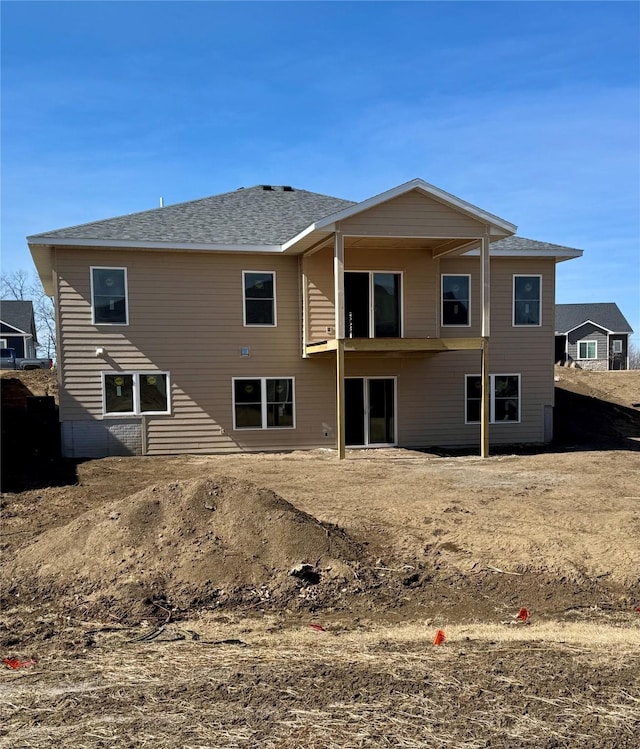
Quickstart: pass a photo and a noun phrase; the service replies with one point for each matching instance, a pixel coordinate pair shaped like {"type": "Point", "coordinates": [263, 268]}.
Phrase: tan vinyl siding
{"type": "Point", "coordinates": [197, 340]}
{"type": "Point", "coordinates": [185, 313]}
{"type": "Point", "coordinates": [412, 215]}
{"type": "Point", "coordinates": [318, 270]}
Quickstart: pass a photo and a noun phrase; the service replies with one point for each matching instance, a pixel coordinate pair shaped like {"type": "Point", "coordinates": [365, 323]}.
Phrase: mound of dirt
{"type": "Point", "coordinates": [185, 543]}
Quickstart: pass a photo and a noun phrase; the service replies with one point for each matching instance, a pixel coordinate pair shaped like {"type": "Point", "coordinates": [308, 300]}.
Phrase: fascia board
{"type": "Point", "coordinates": [560, 256]}
{"type": "Point", "coordinates": [52, 241]}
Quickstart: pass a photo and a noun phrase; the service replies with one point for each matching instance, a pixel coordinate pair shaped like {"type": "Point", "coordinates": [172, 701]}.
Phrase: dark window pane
{"type": "Point", "coordinates": [280, 415]}
{"type": "Point", "coordinates": [473, 410]}
{"type": "Point", "coordinates": [506, 386]}
{"type": "Point", "coordinates": [109, 310]}
{"type": "Point", "coordinates": [454, 313]}
{"type": "Point", "coordinates": [118, 393]}
{"type": "Point", "coordinates": [455, 300]}
{"type": "Point", "coordinates": [109, 295]}
{"type": "Point", "coordinates": [258, 285]}
{"type": "Point", "coordinates": [386, 312]}
{"type": "Point", "coordinates": [474, 395]}
{"type": "Point", "coordinates": [248, 416]}
{"type": "Point", "coordinates": [248, 391]}
{"type": "Point", "coordinates": [506, 409]}
{"type": "Point", "coordinates": [279, 391]}
{"type": "Point", "coordinates": [259, 312]}
{"type": "Point", "coordinates": [153, 393]}
{"type": "Point", "coordinates": [527, 287]}
{"type": "Point", "coordinates": [527, 300]}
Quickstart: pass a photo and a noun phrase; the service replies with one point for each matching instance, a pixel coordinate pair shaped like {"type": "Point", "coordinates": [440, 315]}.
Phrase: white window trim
{"type": "Point", "coordinates": [263, 403]}
{"type": "Point", "coordinates": [274, 324]}
{"type": "Point", "coordinates": [3, 343]}
{"type": "Point", "coordinates": [492, 412]}
{"type": "Point", "coordinates": [136, 395]}
{"type": "Point", "coordinates": [372, 322]}
{"type": "Point", "coordinates": [442, 300]}
{"type": "Point", "coordinates": [126, 295]}
{"type": "Point", "coordinates": [588, 358]}
{"type": "Point", "coordinates": [513, 300]}
{"type": "Point", "coordinates": [617, 341]}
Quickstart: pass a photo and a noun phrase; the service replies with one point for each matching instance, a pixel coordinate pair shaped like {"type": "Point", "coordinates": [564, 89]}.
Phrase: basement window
{"type": "Point", "coordinates": [504, 398]}
{"type": "Point", "coordinates": [109, 296]}
{"type": "Point", "coordinates": [259, 294]}
{"type": "Point", "coordinates": [263, 403]}
{"type": "Point", "coordinates": [135, 393]}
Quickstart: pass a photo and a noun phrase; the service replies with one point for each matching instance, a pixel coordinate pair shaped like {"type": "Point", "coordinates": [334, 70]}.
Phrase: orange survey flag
{"type": "Point", "coordinates": [523, 615]}
{"type": "Point", "coordinates": [439, 638]}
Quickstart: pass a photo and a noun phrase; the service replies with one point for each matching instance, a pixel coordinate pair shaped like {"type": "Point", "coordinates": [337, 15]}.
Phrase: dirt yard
{"type": "Point", "coordinates": [292, 600]}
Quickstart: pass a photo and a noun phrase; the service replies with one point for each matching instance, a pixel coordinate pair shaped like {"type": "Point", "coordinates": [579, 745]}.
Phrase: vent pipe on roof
{"type": "Point", "coordinates": [161, 202]}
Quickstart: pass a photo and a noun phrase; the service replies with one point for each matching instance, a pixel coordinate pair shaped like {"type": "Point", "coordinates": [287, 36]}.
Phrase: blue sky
{"type": "Point", "coordinates": [528, 110]}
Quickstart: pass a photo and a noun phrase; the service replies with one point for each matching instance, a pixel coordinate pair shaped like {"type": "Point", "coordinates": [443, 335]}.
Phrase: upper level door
{"type": "Point", "coordinates": [372, 304]}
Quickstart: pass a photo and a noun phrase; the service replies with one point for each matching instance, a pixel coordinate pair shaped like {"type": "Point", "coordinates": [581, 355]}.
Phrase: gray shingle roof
{"type": "Point", "coordinates": [18, 314]}
{"type": "Point", "coordinates": [248, 216]}
{"type": "Point", "coordinates": [606, 314]}
{"type": "Point", "coordinates": [522, 243]}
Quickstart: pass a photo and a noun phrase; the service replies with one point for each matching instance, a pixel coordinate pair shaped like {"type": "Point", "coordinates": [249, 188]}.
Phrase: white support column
{"type": "Point", "coordinates": [338, 281]}
{"type": "Point", "coordinates": [485, 277]}
{"type": "Point", "coordinates": [338, 284]}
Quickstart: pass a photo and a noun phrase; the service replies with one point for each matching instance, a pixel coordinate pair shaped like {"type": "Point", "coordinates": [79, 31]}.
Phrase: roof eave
{"type": "Point", "coordinates": [559, 255]}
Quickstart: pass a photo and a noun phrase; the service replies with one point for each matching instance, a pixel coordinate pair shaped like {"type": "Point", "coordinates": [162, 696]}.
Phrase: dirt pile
{"type": "Point", "coordinates": [185, 543]}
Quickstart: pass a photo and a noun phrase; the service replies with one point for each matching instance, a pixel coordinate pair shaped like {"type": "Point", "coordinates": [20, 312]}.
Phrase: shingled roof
{"type": "Point", "coordinates": [261, 215]}
{"type": "Point", "coordinates": [511, 244]}
{"type": "Point", "coordinates": [604, 314]}
{"type": "Point", "coordinates": [18, 314]}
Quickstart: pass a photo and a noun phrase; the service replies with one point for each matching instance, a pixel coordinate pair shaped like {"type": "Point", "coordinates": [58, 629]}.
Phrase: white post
{"type": "Point", "coordinates": [485, 278]}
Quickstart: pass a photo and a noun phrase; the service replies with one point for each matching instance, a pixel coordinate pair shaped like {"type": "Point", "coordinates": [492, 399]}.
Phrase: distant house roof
{"type": "Point", "coordinates": [18, 314]}
{"type": "Point", "coordinates": [605, 314]}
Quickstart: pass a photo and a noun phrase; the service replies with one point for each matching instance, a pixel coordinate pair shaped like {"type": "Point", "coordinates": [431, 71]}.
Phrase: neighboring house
{"type": "Point", "coordinates": [595, 336]}
{"type": "Point", "coordinates": [18, 328]}
{"type": "Point", "coordinates": [212, 326]}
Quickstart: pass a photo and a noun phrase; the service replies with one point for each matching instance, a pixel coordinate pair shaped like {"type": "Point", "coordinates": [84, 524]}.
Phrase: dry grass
{"type": "Point", "coordinates": [296, 687]}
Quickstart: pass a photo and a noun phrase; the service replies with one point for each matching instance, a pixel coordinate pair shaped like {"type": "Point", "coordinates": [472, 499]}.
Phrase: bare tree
{"type": "Point", "coordinates": [634, 355]}
{"type": "Point", "coordinates": [20, 285]}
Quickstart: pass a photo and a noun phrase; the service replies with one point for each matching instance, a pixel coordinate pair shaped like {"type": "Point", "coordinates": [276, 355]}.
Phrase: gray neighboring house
{"type": "Point", "coordinates": [18, 327]}
{"type": "Point", "coordinates": [595, 336]}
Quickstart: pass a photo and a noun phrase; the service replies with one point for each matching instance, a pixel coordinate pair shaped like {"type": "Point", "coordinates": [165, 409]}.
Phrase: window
{"type": "Point", "coordinates": [372, 304]}
{"type": "Point", "coordinates": [136, 393]}
{"type": "Point", "coordinates": [588, 350]}
{"type": "Point", "coordinates": [526, 300]}
{"type": "Point", "coordinates": [617, 346]}
{"type": "Point", "coordinates": [3, 343]}
{"type": "Point", "coordinates": [263, 403]}
{"type": "Point", "coordinates": [455, 299]}
{"type": "Point", "coordinates": [259, 291]}
{"type": "Point", "coordinates": [109, 296]}
{"type": "Point", "coordinates": [504, 398]}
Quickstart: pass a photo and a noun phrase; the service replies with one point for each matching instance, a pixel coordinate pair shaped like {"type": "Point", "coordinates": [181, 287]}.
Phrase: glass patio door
{"type": "Point", "coordinates": [370, 411]}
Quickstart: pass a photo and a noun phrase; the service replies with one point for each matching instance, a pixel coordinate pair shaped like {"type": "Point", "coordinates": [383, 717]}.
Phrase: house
{"type": "Point", "coordinates": [595, 336]}
{"type": "Point", "coordinates": [273, 318]}
{"type": "Point", "coordinates": [18, 328]}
